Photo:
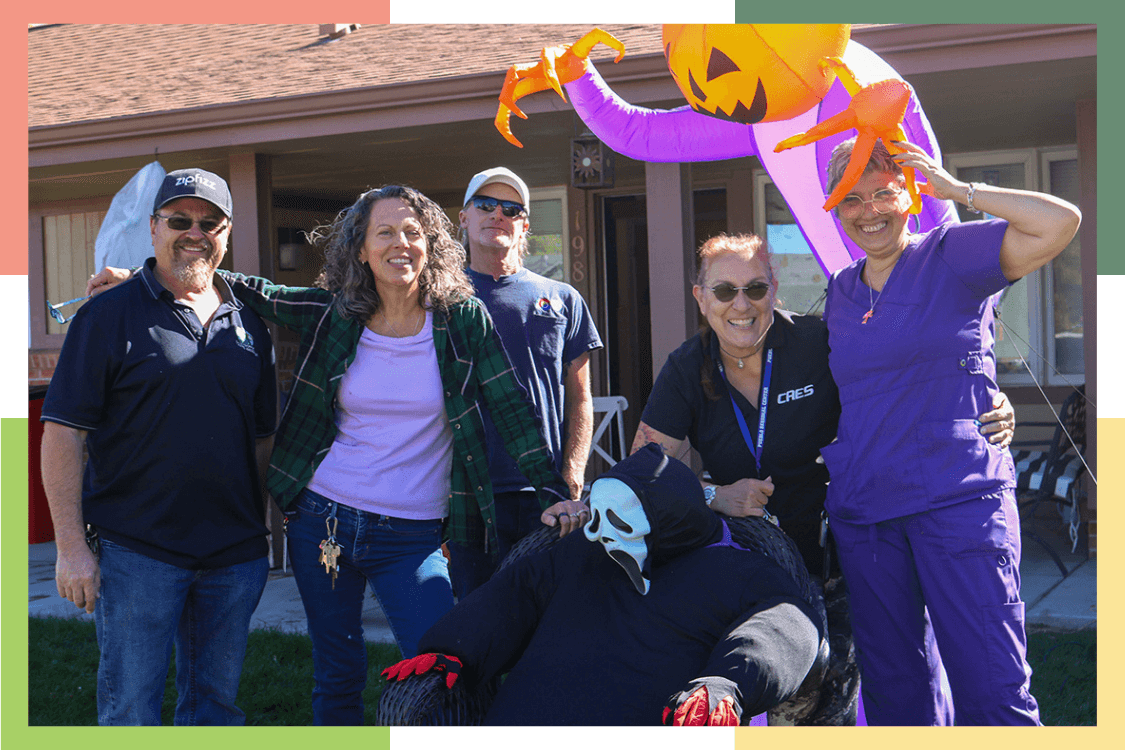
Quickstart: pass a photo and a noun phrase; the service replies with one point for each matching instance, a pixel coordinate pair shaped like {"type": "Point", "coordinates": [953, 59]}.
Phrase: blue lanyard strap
{"type": "Point", "coordinates": [763, 405]}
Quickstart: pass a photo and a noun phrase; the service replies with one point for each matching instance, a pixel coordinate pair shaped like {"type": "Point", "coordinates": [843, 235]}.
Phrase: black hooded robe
{"type": "Point", "coordinates": [581, 646]}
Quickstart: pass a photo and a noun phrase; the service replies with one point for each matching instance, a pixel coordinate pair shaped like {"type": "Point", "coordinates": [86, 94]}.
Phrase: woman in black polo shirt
{"type": "Point", "coordinates": [753, 394]}
{"type": "Point", "coordinates": [765, 463]}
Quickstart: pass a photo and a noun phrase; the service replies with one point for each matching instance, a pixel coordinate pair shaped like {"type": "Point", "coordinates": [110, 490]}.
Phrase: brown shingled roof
{"type": "Point", "coordinates": [80, 73]}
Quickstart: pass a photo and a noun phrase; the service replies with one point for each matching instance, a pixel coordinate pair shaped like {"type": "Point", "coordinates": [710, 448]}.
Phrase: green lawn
{"type": "Point", "coordinates": [277, 677]}
{"type": "Point", "coordinates": [276, 687]}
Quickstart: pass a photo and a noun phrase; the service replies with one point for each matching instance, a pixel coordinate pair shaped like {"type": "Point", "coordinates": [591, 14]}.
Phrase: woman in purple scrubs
{"type": "Point", "coordinates": [922, 507]}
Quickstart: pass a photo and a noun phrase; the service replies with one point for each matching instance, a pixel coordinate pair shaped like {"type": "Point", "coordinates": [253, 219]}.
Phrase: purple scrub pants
{"type": "Point", "coordinates": [938, 620]}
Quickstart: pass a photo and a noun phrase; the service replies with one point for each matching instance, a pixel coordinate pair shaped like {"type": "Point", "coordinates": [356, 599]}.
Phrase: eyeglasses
{"type": "Point", "coordinates": [882, 202]}
{"type": "Point", "coordinates": [58, 316]}
{"type": "Point", "coordinates": [511, 209]}
{"type": "Point", "coordinates": [183, 224]}
{"type": "Point", "coordinates": [726, 292]}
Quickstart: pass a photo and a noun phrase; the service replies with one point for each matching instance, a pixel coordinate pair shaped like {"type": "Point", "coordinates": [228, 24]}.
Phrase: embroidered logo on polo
{"type": "Point", "coordinates": [245, 340]}
{"type": "Point", "coordinates": [543, 305]}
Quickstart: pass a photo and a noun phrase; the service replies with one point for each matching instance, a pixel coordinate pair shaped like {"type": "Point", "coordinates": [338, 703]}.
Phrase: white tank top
{"type": "Point", "coordinates": [393, 451]}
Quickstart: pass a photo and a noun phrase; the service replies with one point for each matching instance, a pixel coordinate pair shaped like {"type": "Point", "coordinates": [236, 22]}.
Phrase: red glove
{"type": "Point", "coordinates": [717, 707]}
{"type": "Point", "coordinates": [423, 663]}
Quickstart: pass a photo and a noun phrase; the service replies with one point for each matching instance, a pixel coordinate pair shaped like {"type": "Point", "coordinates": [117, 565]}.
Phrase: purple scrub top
{"type": "Point", "coordinates": [914, 378]}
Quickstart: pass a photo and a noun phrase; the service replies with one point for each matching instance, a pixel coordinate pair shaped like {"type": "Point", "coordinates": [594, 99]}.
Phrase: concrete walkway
{"type": "Point", "coordinates": [1053, 600]}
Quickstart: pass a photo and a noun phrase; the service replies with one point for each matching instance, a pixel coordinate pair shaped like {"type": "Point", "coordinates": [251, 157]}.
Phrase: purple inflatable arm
{"type": "Point", "coordinates": [683, 135]}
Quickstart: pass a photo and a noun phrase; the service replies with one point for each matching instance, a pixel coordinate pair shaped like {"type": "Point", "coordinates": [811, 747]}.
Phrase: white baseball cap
{"type": "Point", "coordinates": [502, 175]}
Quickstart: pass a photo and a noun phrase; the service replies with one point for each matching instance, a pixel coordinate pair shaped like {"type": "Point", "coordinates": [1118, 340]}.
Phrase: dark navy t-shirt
{"type": "Point", "coordinates": [172, 412]}
{"type": "Point", "coordinates": [543, 324]}
{"type": "Point", "coordinates": [801, 418]}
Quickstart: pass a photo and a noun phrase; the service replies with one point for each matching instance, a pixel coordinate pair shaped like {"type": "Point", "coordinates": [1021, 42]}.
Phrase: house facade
{"type": "Point", "coordinates": [302, 118]}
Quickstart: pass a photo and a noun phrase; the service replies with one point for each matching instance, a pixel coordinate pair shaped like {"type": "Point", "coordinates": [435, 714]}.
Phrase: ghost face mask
{"type": "Point", "coordinates": [619, 523]}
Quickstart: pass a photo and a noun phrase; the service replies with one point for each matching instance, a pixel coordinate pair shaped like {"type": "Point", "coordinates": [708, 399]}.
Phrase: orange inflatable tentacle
{"type": "Point", "coordinates": [843, 72]}
{"type": "Point", "coordinates": [523, 88]}
{"type": "Point", "coordinates": [861, 154]}
{"type": "Point", "coordinates": [503, 124]}
{"type": "Point", "coordinates": [837, 123]}
{"type": "Point", "coordinates": [912, 186]}
{"type": "Point", "coordinates": [557, 65]}
{"type": "Point", "coordinates": [590, 39]}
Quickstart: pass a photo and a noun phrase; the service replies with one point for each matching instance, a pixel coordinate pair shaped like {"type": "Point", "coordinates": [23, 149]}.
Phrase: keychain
{"type": "Point", "coordinates": [330, 550]}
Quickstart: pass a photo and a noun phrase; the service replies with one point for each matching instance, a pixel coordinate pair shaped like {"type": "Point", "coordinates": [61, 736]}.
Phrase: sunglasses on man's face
{"type": "Point", "coordinates": [725, 292]}
{"type": "Point", "coordinates": [511, 209]}
{"type": "Point", "coordinates": [183, 224]}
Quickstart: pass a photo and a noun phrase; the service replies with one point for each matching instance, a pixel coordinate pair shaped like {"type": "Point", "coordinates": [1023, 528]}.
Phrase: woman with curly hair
{"type": "Point", "coordinates": [381, 445]}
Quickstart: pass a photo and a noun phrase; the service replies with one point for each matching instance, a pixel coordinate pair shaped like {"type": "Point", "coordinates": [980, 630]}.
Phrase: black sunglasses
{"type": "Point", "coordinates": [511, 209]}
{"type": "Point", "coordinates": [725, 292]}
{"type": "Point", "coordinates": [183, 224]}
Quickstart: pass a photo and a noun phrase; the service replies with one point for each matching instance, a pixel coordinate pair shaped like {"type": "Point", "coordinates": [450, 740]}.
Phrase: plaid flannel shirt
{"type": "Point", "coordinates": [474, 369]}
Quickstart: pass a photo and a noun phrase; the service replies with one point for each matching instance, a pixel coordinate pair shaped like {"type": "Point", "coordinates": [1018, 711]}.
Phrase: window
{"type": "Point", "coordinates": [1041, 314]}
{"type": "Point", "coordinates": [547, 241]}
{"type": "Point", "coordinates": [66, 241]}
{"type": "Point", "coordinates": [801, 280]}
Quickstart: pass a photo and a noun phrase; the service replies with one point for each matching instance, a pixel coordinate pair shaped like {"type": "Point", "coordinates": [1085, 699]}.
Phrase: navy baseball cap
{"type": "Point", "coordinates": [195, 183]}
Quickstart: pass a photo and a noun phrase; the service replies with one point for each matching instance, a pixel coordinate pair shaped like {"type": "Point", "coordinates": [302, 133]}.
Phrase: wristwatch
{"type": "Point", "coordinates": [709, 494]}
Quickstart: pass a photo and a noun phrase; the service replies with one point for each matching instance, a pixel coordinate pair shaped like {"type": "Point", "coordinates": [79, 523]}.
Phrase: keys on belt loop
{"type": "Point", "coordinates": [330, 549]}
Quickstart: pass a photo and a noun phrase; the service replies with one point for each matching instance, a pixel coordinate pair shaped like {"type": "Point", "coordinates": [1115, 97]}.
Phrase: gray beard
{"type": "Point", "coordinates": [195, 273]}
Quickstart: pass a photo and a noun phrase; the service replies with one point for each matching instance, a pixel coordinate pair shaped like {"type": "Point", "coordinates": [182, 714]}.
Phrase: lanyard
{"type": "Point", "coordinates": [762, 407]}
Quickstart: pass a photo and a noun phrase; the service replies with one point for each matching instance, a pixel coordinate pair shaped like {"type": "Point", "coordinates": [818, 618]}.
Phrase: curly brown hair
{"type": "Point", "coordinates": [443, 281]}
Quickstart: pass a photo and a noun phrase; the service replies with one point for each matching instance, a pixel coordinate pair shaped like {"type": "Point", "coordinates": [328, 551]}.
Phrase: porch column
{"type": "Point", "coordinates": [252, 253]}
{"type": "Point", "coordinates": [671, 251]}
{"type": "Point", "coordinates": [251, 188]}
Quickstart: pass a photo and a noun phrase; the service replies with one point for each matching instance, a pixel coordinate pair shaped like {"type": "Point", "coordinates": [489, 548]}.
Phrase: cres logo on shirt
{"type": "Point", "coordinates": [543, 305]}
{"type": "Point", "coordinates": [786, 396]}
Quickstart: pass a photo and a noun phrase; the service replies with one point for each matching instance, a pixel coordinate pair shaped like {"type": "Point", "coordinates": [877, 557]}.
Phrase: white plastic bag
{"type": "Point", "coordinates": [124, 240]}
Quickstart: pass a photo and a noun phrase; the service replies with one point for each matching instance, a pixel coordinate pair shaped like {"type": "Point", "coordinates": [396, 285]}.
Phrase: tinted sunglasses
{"type": "Point", "coordinates": [726, 292]}
{"type": "Point", "coordinates": [511, 209]}
{"type": "Point", "coordinates": [183, 224]}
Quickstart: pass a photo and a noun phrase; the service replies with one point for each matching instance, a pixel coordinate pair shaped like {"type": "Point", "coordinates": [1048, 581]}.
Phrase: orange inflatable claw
{"type": "Point", "coordinates": [876, 111]}
{"type": "Point", "coordinates": [556, 66]}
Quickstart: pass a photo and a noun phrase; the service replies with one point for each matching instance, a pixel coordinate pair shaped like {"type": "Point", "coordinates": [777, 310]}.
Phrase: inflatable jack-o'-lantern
{"type": "Point", "coordinates": [752, 73]}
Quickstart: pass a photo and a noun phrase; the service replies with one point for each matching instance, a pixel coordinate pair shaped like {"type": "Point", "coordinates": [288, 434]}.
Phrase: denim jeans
{"type": "Point", "coordinates": [146, 606]}
{"type": "Point", "coordinates": [400, 558]}
{"type": "Point", "coordinates": [517, 515]}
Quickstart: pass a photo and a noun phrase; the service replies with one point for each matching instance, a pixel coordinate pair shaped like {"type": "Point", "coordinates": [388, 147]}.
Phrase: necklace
{"type": "Point", "coordinates": [741, 364]}
{"type": "Point", "coordinates": [395, 332]}
{"type": "Point", "coordinates": [873, 300]}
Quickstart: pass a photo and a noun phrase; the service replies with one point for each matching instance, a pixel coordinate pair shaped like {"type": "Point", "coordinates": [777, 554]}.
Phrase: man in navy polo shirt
{"type": "Point", "coordinates": [548, 334]}
{"type": "Point", "coordinates": [157, 421]}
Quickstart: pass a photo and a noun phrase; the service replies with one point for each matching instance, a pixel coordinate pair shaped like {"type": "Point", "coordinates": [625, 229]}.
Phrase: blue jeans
{"type": "Point", "coordinates": [146, 606]}
{"type": "Point", "coordinates": [400, 558]}
{"type": "Point", "coordinates": [517, 515]}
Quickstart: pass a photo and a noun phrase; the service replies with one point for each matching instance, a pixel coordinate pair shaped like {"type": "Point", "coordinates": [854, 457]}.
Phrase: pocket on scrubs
{"type": "Point", "coordinates": [953, 460]}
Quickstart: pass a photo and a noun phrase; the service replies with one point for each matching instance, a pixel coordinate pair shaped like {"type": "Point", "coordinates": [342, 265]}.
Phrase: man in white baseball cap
{"type": "Point", "coordinates": [548, 332]}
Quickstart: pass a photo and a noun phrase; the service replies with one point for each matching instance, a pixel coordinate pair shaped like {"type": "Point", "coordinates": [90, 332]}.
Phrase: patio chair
{"type": "Point", "coordinates": [1053, 472]}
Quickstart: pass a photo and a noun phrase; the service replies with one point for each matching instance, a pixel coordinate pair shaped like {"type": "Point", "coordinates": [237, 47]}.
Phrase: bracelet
{"type": "Point", "coordinates": [969, 198]}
